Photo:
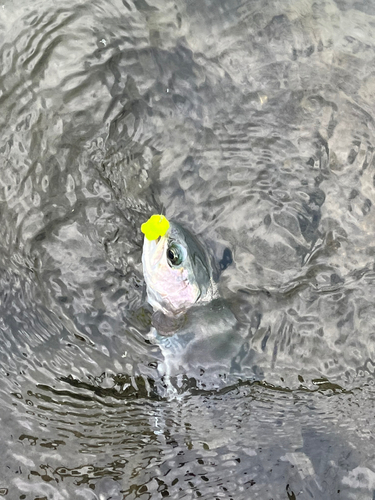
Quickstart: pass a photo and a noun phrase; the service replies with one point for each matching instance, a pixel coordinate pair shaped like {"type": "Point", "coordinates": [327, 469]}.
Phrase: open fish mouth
{"type": "Point", "coordinates": [153, 255]}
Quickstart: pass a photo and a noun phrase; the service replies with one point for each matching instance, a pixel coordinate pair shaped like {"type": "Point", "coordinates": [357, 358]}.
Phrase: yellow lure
{"type": "Point", "coordinates": [157, 225]}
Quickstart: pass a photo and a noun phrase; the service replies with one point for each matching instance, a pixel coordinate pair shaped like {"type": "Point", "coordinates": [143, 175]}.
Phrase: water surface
{"type": "Point", "coordinates": [251, 123]}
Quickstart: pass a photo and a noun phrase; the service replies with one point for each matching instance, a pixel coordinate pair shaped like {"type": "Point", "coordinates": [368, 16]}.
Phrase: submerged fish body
{"type": "Point", "coordinates": [204, 348]}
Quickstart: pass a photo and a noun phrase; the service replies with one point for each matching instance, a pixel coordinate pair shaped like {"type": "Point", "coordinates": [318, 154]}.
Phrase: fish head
{"type": "Point", "coordinates": [177, 271]}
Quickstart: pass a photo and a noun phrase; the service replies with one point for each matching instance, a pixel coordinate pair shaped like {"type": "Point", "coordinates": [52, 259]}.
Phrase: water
{"type": "Point", "coordinates": [252, 124]}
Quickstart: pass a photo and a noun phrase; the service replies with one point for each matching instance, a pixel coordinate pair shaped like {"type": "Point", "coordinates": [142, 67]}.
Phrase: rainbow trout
{"type": "Point", "coordinates": [196, 331]}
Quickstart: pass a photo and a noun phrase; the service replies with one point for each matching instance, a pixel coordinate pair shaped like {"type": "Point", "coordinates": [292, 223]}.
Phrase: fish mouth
{"type": "Point", "coordinates": [153, 251]}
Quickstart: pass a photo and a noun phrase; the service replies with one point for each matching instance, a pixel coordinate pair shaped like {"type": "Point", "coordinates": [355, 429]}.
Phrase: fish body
{"type": "Point", "coordinates": [198, 334]}
{"type": "Point", "coordinates": [203, 348]}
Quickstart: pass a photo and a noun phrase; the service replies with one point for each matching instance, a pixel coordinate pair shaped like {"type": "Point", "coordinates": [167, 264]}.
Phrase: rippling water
{"type": "Point", "coordinates": [252, 123]}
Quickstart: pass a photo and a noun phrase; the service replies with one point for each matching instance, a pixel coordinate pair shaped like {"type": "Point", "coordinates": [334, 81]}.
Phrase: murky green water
{"type": "Point", "coordinates": [252, 124]}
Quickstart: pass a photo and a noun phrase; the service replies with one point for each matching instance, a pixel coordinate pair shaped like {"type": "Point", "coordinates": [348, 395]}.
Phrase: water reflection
{"type": "Point", "coordinates": [148, 447]}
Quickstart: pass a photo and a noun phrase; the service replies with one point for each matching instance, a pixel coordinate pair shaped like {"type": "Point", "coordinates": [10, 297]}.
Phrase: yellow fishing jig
{"type": "Point", "coordinates": [157, 225]}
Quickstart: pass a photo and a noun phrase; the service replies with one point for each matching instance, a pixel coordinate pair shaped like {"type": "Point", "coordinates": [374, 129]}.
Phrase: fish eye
{"type": "Point", "coordinates": [174, 255]}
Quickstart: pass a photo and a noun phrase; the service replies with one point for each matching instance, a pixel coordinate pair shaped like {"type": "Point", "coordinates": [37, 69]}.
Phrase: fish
{"type": "Point", "coordinates": [193, 326]}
